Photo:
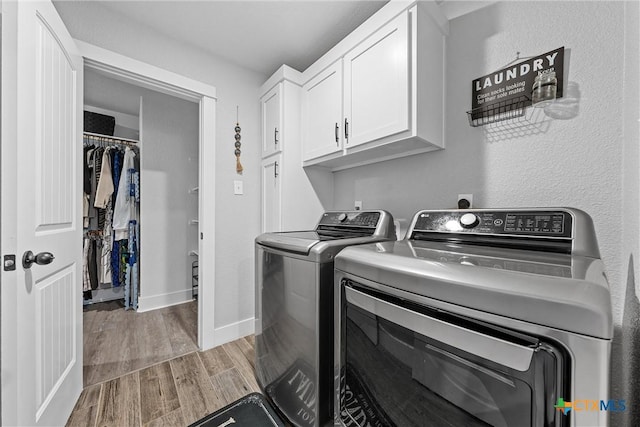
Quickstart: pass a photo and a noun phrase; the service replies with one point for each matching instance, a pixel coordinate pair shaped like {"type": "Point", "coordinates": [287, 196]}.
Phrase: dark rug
{"type": "Point", "coordinates": [251, 411]}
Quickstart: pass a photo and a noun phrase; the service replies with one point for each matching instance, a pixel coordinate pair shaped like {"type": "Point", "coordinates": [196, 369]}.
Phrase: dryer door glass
{"type": "Point", "coordinates": [409, 365]}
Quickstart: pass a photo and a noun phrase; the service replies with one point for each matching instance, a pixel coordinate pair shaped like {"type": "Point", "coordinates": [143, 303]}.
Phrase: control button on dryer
{"type": "Point", "coordinates": [469, 220]}
{"type": "Point", "coordinates": [342, 217]}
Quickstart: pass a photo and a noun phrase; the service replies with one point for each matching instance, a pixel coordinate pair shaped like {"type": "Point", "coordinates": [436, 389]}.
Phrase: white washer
{"type": "Point", "coordinates": [480, 317]}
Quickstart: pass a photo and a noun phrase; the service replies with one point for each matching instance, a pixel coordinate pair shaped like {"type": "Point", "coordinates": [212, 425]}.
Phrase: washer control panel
{"type": "Point", "coordinates": [469, 220]}
{"type": "Point", "coordinates": [534, 223]}
{"type": "Point", "coordinates": [367, 219]}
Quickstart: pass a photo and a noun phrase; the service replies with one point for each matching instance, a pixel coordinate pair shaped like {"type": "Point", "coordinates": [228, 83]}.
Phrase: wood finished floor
{"type": "Point", "coordinates": [177, 392]}
{"type": "Point", "coordinates": [117, 342]}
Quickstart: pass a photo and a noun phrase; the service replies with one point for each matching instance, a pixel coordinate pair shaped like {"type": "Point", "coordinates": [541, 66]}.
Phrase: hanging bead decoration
{"type": "Point", "coordinates": [238, 144]}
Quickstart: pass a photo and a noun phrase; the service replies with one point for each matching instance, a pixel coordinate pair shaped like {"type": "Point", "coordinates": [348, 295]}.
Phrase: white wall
{"type": "Point", "coordinates": [237, 217]}
{"type": "Point", "coordinates": [168, 169]}
{"type": "Point", "coordinates": [626, 349]}
{"type": "Point", "coordinates": [574, 162]}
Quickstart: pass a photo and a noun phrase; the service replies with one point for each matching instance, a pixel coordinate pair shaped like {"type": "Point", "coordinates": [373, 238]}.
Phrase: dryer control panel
{"type": "Point", "coordinates": [348, 224]}
{"type": "Point", "coordinates": [351, 218]}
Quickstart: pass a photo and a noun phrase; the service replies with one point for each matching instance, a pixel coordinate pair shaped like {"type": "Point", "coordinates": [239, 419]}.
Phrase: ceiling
{"type": "Point", "coordinates": [258, 35]}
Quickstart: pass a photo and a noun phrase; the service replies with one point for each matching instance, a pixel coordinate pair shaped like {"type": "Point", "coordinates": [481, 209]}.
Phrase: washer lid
{"type": "Point", "coordinates": [294, 241]}
{"type": "Point", "coordinates": [335, 229]}
{"type": "Point", "coordinates": [560, 291]}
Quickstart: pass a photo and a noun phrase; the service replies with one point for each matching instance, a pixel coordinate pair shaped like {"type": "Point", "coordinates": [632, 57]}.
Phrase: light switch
{"type": "Point", "coordinates": [237, 187]}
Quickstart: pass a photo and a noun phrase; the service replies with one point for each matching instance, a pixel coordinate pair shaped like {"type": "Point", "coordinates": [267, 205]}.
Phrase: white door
{"type": "Point", "coordinates": [272, 121]}
{"type": "Point", "coordinates": [322, 114]}
{"type": "Point", "coordinates": [271, 194]}
{"type": "Point", "coordinates": [41, 212]}
{"type": "Point", "coordinates": [376, 84]}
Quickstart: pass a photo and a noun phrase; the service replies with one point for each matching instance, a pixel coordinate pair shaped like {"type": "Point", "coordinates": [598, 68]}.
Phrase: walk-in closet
{"type": "Point", "coordinates": [141, 227]}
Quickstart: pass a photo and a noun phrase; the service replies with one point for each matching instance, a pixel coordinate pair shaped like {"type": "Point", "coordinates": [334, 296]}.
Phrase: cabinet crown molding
{"type": "Point", "coordinates": [283, 73]}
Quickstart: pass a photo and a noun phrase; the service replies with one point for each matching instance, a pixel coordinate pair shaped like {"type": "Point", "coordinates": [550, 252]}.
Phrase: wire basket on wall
{"type": "Point", "coordinates": [499, 111]}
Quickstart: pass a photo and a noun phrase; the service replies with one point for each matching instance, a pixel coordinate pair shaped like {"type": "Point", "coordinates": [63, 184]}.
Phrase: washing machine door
{"type": "Point", "coordinates": [408, 365]}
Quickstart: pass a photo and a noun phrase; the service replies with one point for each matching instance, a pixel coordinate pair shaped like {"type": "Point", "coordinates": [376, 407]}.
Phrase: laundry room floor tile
{"type": "Point", "coordinates": [175, 392]}
{"type": "Point", "coordinates": [118, 341]}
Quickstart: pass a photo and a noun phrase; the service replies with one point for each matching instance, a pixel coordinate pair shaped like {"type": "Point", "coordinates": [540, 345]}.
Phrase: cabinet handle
{"type": "Point", "coordinates": [337, 137]}
{"type": "Point", "coordinates": [275, 170]}
{"type": "Point", "coordinates": [346, 130]}
{"type": "Point", "coordinates": [275, 135]}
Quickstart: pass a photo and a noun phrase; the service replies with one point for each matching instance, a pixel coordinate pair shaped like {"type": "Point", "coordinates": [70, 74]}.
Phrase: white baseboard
{"type": "Point", "coordinates": [164, 300]}
{"type": "Point", "coordinates": [233, 331]}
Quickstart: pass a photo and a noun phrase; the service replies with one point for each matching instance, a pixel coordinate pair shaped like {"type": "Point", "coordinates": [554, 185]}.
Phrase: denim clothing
{"type": "Point", "coordinates": [131, 282]}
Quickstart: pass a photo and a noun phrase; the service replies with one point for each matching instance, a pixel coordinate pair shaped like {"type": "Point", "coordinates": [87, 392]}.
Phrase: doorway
{"type": "Point", "coordinates": [163, 132]}
{"type": "Point", "coordinates": [125, 69]}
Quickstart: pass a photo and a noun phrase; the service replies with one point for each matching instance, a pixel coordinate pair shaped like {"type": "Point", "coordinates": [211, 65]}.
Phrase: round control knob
{"type": "Point", "coordinates": [469, 220]}
{"type": "Point", "coordinates": [342, 217]}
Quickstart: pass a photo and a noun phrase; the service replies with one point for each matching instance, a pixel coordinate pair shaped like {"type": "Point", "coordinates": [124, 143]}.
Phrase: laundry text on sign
{"type": "Point", "coordinates": [517, 80]}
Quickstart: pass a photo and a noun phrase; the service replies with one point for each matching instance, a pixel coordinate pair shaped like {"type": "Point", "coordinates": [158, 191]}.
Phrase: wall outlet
{"type": "Point", "coordinates": [465, 201]}
{"type": "Point", "coordinates": [358, 205]}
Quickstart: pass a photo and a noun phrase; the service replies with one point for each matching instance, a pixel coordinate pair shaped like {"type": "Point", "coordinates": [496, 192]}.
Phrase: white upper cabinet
{"type": "Point", "coordinates": [322, 119]}
{"type": "Point", "coordinates": [271, 104]}
{"type": "Point", "coordinates": [378, 94]}
{"type": "Point", "coordinates": [376, 84]}
{"type": "Point", "coordinates": [290, 200]}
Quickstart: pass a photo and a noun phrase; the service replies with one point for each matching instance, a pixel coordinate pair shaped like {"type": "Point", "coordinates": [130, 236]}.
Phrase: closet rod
{"type": "Point", "coordinates": [110, 139]}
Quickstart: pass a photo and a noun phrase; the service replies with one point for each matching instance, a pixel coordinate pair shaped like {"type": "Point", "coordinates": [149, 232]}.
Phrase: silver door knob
{"type": "Point", "coordinates": [43, 258]}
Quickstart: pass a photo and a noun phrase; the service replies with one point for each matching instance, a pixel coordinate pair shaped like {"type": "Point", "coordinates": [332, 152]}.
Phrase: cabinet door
{"type": "Point", "coordinates": [376, 84]}
{"type": "Point", "coordinates": [272, 121]}
{"type": "Point", "coordinates": [322, 113]}
{"type": "Point", "coordinates": [271, 194]}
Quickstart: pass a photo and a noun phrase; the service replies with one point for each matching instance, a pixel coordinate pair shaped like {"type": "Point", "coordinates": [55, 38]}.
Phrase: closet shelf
{"type": "Point", "coordinates": [193, 222]}
{"type": "Point", "coordinates": [194, 190]}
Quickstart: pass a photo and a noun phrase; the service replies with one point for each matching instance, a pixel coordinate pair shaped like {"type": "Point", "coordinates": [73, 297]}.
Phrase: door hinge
{"type": "Point", "coordinates": [9, 262]}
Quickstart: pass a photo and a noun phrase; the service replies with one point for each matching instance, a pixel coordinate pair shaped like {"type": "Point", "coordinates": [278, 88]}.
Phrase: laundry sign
{"type": "Point", "coordinates": [516, 80]}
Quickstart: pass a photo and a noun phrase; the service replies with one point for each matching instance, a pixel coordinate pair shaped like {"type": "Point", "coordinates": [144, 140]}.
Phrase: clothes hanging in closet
{"type": "Point", "coordinates": [110, 209]}
{"type": "Point", "coordinates": [124, 207]}
{"type": "Point", "coordinates": [104, 189]}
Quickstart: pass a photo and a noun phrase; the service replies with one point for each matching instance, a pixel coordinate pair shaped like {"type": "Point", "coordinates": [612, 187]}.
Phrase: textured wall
{"type": "Point", "coordinates": [574, 159]}
{"type": "Point", "coordinates": [626, 360]}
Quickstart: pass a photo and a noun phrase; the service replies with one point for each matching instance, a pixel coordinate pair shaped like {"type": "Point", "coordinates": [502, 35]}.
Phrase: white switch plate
{"type": "Point", "coordinates": [237, 187]}
{"type": "Point", "coordinates": [358, 205]}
